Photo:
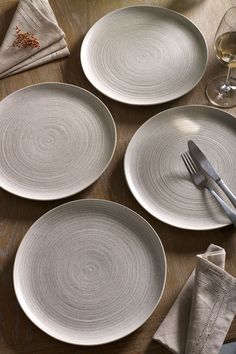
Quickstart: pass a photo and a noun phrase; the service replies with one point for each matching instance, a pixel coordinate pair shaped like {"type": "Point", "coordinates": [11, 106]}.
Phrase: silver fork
{"type": "Point", "coordinates": [200, 180]}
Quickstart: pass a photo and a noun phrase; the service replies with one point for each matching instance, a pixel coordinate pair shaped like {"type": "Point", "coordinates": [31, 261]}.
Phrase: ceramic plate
{"type": "Point", "coordinates": [56, 139]}
{"type": "Point", "coordinates": [157, 176]}
{"type": "Point", "coordinates": [144, 55]}
{"type": "Point", "coordinates": [89, 272]}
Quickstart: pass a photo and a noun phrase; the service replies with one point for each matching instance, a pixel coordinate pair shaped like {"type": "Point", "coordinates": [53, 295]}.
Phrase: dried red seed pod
{"type": "Point", "coordinates": [25, 39]}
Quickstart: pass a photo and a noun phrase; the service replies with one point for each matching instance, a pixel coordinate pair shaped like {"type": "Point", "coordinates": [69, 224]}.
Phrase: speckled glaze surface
{"type": "Point", "coordinates": [56, 139]}
{"type": "Point", "coordinates": [90, 272]}
{"type": "Point", "coordinates": [144, 55]}
{"type": "Point", "coordinates": [156, 173]}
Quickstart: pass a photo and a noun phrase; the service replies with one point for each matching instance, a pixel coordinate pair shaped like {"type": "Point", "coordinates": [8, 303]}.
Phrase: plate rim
{"type": "Point", "coordinates": [175, 13]}
{"type": "Point", "coordinates": [125, 164]}
{"type": "Point", "coordinates": [27, 311]}
{"type": "Point", "coordinates": [101, 103]}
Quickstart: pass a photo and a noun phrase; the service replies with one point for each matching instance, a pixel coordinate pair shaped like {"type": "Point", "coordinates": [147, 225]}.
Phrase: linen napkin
{"type": "Point", "coordinates": [33, 38]}
{"type": "Point", "coordinates": [199, 320]}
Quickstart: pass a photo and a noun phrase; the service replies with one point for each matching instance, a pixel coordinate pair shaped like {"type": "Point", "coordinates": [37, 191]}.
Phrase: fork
{"type": "Point", "coordinates": [200, 180]}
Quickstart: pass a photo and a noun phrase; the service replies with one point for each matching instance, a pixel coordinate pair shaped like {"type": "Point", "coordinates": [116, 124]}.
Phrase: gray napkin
{"type": "Point", "coordinates": [33, 38]}
{"type": "Point", "coordinates": [201, 316]}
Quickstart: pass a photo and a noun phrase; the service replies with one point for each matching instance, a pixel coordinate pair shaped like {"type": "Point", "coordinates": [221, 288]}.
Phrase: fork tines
{"type": "Point", "coordinates": [190, 165]}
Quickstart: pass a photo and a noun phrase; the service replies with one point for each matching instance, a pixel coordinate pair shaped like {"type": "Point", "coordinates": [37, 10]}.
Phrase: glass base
{"type": "Point", "coordinates": [219, 94]}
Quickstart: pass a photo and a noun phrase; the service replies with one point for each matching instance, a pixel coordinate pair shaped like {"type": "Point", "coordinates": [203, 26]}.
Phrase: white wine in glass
{"type": "Point", "coordinates": [221, 91]}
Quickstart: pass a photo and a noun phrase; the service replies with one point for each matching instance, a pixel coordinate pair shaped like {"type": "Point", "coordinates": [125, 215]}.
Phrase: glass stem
{"type": "Point", "coordinates": [226, 88]}
{"type": "Point", "coordinates": [227, 81]}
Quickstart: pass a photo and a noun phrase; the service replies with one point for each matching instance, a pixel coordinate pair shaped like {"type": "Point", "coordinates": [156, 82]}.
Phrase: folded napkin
{"type": "Point", "coordinates": [201, 316]}
{"type": "Point", "coordinates": [33, 38]}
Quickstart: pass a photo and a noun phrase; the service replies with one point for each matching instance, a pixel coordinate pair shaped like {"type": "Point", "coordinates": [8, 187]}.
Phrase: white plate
{"type": "Point", "coordinates": [144, 55]}
{"type": "Point", "coordinates": [56, 139]}
{"type": "Point", "coordinates": [89, 272]}
{"type": "Point", "coordinates": [157, 176]}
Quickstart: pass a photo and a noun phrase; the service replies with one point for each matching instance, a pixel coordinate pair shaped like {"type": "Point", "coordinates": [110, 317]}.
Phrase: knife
{"type": "Point", "coordinates": [201, 160]}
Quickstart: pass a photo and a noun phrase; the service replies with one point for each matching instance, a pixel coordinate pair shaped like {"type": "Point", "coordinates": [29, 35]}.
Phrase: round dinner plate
{"type": "Point", "coordinates": [90, 272]}
{"type": "Point", "coordinates": [156, 173]}
{"type": "Point", "coordinates": [56, 140]}
{"type": "Point", "coordinates": [144, 55]}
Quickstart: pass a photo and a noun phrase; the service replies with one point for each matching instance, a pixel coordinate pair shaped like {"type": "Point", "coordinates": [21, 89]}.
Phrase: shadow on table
{"type": "Point", "coordinates": [14, 208]}
{"type": "Point", "coordinates": [181, 6]}
{"type": "Point", "coordinates": [154, 348]}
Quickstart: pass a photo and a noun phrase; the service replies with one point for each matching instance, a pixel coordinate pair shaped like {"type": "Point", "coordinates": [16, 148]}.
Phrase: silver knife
{"type": "Point", "coordinates": [201, 160]}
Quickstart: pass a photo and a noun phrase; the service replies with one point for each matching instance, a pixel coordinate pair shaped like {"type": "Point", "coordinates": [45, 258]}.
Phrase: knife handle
{"type": "Point", "coordinates": [228, 211]}
{"type": "Point", "coordinates": [229, 194]}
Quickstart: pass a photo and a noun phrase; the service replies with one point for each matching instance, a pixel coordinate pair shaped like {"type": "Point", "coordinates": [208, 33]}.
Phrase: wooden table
{"type": "Point", "coordinates": [17, 333]}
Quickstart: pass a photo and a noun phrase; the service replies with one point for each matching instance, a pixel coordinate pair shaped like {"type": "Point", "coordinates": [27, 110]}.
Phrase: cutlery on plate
{"type": "Point", "coordinates": [200, 180]}
{"type": "Point", "coordinates": [201, 160]}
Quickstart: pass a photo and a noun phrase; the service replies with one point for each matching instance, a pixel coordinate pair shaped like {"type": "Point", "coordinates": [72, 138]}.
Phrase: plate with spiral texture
{"type": "Point", "coordinates": [56, 140]}
{"type": "Point", "coordinates": [144, 55]}
{"type": "Point", "coordinates": [90, 272]}
{"type": "Point", "coordinates": [156, 174]}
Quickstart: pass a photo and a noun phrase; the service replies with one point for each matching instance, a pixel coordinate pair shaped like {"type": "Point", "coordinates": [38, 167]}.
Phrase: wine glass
{"type": "Point", "coordinates": [221, 91]}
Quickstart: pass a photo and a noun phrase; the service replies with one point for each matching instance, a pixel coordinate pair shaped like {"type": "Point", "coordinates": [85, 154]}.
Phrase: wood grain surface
{"type": "Point", "coordinates": [17, 333]}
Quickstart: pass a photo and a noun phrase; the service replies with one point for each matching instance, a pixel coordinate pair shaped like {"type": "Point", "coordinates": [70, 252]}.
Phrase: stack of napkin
{"type": "Point", "coordinates": [201, 316]}
{"type": "Point", "coordinates": [33, 38]}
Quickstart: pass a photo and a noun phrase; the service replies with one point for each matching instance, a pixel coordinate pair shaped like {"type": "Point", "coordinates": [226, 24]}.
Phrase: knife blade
{"type": "Point", "coordinates": [201, 160]}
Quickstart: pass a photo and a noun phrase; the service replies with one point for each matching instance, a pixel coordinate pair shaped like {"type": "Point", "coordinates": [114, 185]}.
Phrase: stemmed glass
{"type": "Point", "coordinates": [221, 91]}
